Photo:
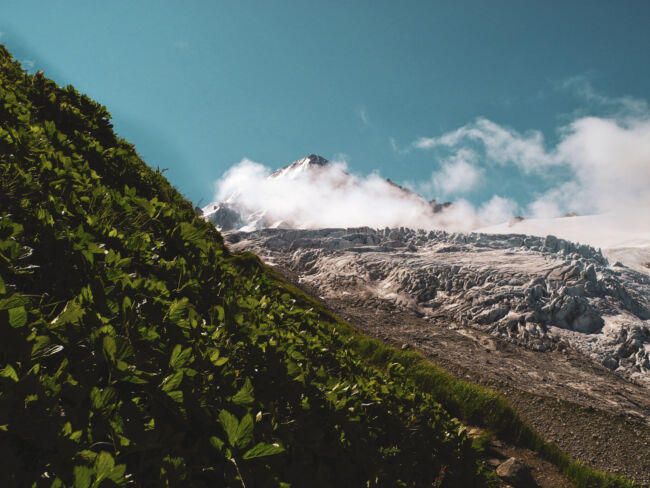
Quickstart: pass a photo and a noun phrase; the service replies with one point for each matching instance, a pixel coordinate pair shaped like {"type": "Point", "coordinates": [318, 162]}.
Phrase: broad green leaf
{"type": "Point", "coordinates": [190, 233]}
{"type": "Point", "coordinates": [230, 424]}
{"type": "Point", "coordinates": [110, 348]}
{"type": "Point", "coordinates": [262, 449]}
{"type": "Point", "coordinates": [40, 343]}
{"type": "Point", "coordinates": [177, 310]}
{"type": "Point", "coordinates": [104, 463]}
{"type": "Point", "coordinates": [101, 399]}
{"type": "Point", "coordinates": [9, 372]}
{"type": "Point", "coordinates": [82, 476]}
{"type": "Point", "coordinates": [3, 288]}
{"type": "Point", "coordinates": [216, 443]}
{"type": "Point", "coordinates": [245, 395]}
{"type": "Point", "coordinates": [179, 356]}
{"type": "Point", "coordinates": [240, 434]}
{"type": "Point", "coordinates": [13, 301]}
{"type": "Point", "coordinates": [176, 395]}
{"type": "Point", "coordinates": [245, 431]}
{"type": "Point", "coordinates": [71, 314]}
{"type": "Point", "coordinates": [17, 316]}
{"type": "Point", "coordinates": [172, 381]}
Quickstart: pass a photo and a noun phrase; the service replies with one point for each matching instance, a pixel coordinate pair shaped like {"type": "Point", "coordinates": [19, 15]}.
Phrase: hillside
{"type": "Point", "coordinates": [135, 350]}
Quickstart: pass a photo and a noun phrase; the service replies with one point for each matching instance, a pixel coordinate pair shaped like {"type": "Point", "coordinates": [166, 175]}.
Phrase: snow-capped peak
{"type": "Point", "coordinates": [312, 161]}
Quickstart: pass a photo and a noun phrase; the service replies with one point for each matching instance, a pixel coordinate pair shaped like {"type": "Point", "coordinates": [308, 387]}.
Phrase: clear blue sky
{"type": "Point", "coordinates": [199, 85]}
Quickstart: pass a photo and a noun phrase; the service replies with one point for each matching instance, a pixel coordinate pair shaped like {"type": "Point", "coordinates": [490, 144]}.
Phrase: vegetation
{"type": "Point", "coordinates": [135, 351]}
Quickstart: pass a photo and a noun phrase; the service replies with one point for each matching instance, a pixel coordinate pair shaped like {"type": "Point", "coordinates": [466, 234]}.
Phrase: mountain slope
{"type": "Point", "coordinates": [136, 351]}
{"type": "Point", "coordinates": [622, 237]}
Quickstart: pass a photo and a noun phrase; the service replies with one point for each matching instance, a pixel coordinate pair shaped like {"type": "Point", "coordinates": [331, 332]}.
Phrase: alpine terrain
{"type": "Point", "coordinates": [536, 317]}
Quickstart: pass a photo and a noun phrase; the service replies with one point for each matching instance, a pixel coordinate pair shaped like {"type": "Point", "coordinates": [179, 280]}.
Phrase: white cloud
{"type": "Point", "coordinates": [497, 209]}
{"type": "Point", "coordinates": [330, 196]}
{"type": "Point", "coordinates": [621, 107]}
{"type": "Point", "coordinates": [27, 63]}
{"type": "Point", "coordinates": [457, 175]}
{"type": "Point", "coordinates": [362, 113]}
{"type": "Point", "coordinates": [608, 158]}
{"type": "Point", "coordinates": [502, 145]}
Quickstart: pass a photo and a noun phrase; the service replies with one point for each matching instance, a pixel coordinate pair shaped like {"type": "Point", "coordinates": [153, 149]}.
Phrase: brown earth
{"type": "Point", "coordinates": [596, 416]}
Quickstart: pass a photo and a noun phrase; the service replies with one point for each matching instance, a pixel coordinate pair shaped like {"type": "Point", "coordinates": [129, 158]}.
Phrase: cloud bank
{"type": "Point", "coordinates": [330, 196]}
{"type": "Point", "coordinates": [608, 158]}
{"type": "Point", "coordinates": [604, 162]}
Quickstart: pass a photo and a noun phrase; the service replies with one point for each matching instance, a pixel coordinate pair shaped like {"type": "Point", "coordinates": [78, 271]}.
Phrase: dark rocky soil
{"type": "Point", "coordinates": [596, 416]}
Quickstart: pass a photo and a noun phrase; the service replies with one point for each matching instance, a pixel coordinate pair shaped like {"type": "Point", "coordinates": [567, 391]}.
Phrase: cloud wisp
{"type": "Point", "coordinates": [457, 175]}
{"type": "Point", "coordinates": [362, 113]}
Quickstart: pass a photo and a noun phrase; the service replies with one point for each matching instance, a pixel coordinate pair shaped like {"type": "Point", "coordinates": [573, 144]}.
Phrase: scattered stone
{"type": "Point", "coordinates": [516, 473]}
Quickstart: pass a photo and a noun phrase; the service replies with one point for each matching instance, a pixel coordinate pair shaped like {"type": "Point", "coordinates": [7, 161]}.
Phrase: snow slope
{"type": "Point", "coordinates": [621, 237]}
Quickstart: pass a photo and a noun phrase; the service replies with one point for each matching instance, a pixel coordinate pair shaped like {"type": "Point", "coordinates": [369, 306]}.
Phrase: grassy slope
{"type": "Point", "coordinates": [135, 351]}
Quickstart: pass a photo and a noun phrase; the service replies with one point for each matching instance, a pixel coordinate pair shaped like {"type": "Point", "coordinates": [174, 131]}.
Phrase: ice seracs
{"type": "Point", "coordinates": [540, 292]}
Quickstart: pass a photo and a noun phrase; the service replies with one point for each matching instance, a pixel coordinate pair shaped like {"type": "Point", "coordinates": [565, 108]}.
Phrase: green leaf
{"type": "Point", "coordinates": [82, 476]}
{"type": "Point", "coordinates": [177, 310]}
{"type": "Point", "coordinates": [17, 317]}
{"type": "Point", "coordinates": [13, 301]}
{"type": "Point", "coordinates": [262, 449]}
{"type": "Point", "coordinates": [176, 395]}
{"type": "Point", "coordinates": [9, 372]}
{"type": "Point", "coordinates": [104, 463]}
{"type": "Point", "coordinates": [102, 398]}
{"type": "Point", "coordinates": [47, 350]}
{"type": "Point", "coordinates": [190, 233]}
{"type": "Point", "coordinates": [179, 356]}
{"type": "Point", "coordinates": [230, 425]}
{"type": "Point", "coordinates": [3, 288]}
{"type": "Point", "coordinates": [216, 443]}
{"type": "Point", "coordinates": [110, 348]}
{"type": "Point", "coordinates": [245, 395]}
{"type": "Point", "coordinates": [240, 434]}
{"type": "Point", "coordinates": [172, 381]}
{"type": "Point", "coordinates": [245, 432]}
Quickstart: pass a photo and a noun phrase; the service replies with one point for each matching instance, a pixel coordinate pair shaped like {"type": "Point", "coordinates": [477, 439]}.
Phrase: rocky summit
{"type": "Point", "coordinates": [540, 293]}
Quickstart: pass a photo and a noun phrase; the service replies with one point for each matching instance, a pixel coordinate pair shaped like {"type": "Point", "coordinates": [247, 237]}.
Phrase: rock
{"type": "Point", "coordinates": [516, 473]}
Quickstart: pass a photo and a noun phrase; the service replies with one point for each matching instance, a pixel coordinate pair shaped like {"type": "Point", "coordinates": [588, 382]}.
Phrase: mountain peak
{"type": "Point", "coordinates": [311, 161]}
{"type": "Point", "coordinates": [317, 160]}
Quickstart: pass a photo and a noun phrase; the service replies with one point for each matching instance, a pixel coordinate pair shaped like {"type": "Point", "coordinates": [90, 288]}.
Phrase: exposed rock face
{"type": "Point", "coordinates": [225, 217]}
{"type": "Point", "coordinates": [541, 293]}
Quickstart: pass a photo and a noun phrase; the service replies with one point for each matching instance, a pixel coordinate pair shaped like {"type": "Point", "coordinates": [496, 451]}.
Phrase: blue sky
{"type": "Point", "coordinates": [199, 85]}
